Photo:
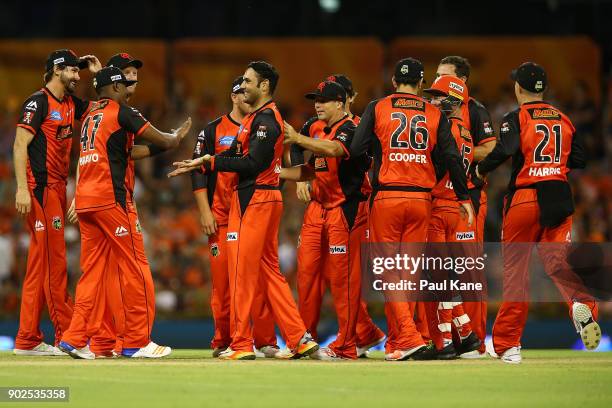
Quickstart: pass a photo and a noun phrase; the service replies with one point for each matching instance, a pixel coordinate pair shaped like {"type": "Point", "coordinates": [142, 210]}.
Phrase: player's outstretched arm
{"type": "Point", "coordinates": [164, 140]}
{"type": "Point", "coordinates": [188, 165]}
{"type": "Point", "coordinates": [23, 201]}
{"type": "Point", "coordinates": [327, 148]}
{"type": "Point", "coordinates": [297, 173]}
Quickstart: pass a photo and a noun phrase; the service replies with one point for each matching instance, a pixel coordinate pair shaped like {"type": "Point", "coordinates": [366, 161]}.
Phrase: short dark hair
{"type": "Point", "coordinates": [264, 71]}
{"type": "Point", "coordinates": [49, 74]}
{"type": "Point", "coordinates": [462, 65]}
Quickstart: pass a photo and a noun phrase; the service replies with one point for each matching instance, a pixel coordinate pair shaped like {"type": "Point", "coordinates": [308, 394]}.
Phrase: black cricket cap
{"type": "Point", "coordinates": [531, 77]}
{"type": "Point", "coordinates": [236, 85]}
{"type": "Point", "coordinates": [409, 70]}
{"type": "Point", "coordinates": [343, 80]}
{"type": "Point", "coordinates": [124, 60]}
{"type": "Point", "coordinates": [328, 90]}
{"type": "Point", "coordinates": [110, 75]}
{"type": "Point", "coordinates": [64, 57]}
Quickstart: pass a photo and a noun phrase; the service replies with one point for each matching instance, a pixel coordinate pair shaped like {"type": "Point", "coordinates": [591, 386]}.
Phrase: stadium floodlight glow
{"type": "Point", "coordinates": [329, 6]}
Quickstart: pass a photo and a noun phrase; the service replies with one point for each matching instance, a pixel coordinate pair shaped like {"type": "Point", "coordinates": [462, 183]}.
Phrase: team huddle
{"type": "Point", "coordinates": [410, 170]}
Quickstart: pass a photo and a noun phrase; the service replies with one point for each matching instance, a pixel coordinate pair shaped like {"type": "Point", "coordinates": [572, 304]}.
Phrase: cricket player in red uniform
{"type": "Point", "coordinates": [254, 219]}
{"type": "Point", "coordinates": [335, 220]}
{"type": "Point", "coordinates": [408, 137]}
{"type": "Point", "coordinates": [213, 194]}
{"type": "Point", "coordinates": [450, 94]}
{"type": "Point", "coordinates": [477, 121]}
{"type": "Point", "coordinates": [107, 226]}
{"type": "Point", "coordinates": [42, 157]}
{"type": "Point", "coordinates": [544, 147]}
{"type": "Point", "coordinates": [311, 282]}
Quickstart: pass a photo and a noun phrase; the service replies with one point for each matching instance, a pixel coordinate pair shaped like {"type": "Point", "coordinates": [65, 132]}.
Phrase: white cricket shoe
{"type": "Point", "coordinates": [586, 326]}
{"type": "Point", "coordinates": [267, 352]}
{"type": "Point", "coordinates": [362, 352]}
{"type": "Point", "coordinates": [473, 355]}
{"type": "Point", "coordinates": [512, 356]}
{"type": "Point", "coordinates": [325, 354]}
{"type": "Point", "coordinates": [83, 353]}
{"type": "Point", "coordinates": [43, 349]}
{"type": "Point", "coordinates": [151, 350]}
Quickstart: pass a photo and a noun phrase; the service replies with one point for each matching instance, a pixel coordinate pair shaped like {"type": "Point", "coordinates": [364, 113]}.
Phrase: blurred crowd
{"type": "Point", "coordinates": [177, 249]}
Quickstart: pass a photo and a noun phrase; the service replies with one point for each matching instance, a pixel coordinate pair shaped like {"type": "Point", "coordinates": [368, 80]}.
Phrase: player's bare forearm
{"type": "Point", "coordinates": [326, 148]}
{"type": "Point", "coordinates": [140, 152]}
{"type": "Point", "coordinates": [201, 197]}
{"type": "Point", "coordinates": [20, 156]}
{"type": "Point", "coordinates": [164, 140]}
{"type": "Point", "coordinates": [480, 152]}
{"type": "Point", "coordinates": [297, 173]}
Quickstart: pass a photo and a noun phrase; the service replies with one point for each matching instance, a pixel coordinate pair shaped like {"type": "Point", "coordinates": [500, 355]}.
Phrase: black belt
{"type": "Point", "coordinates": [266, 187]}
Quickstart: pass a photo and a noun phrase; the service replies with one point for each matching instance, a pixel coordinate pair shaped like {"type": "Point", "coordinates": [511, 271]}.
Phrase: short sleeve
{"type": "Point", "coordinates": [132, 120]}
{"type": "Point", "coordinates": [81, 107]}
{"type": "Point", "coordinates": [33, 112]}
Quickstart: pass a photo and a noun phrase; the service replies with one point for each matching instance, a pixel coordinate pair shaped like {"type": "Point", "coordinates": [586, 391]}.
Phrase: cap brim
{"type": "Point", "coordinates": [513, 74]}
{"type": "Point", "coordinates": [135, 63]}
{"type": "Point", "coordinates": [238, 91]}
{"type": "Point", "coordinates": [434, 91]}
{"type": "Point", "coordinates": [314, 96]}
{"type": "Point", "coordinates": [128, 82]}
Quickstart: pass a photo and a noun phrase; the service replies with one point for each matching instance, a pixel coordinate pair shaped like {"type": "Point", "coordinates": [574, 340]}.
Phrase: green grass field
{"type": "Point", "coordinates": [192, 378]}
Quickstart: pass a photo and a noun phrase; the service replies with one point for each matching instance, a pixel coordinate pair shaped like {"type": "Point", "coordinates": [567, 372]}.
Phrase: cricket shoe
{"type": "Point", "coordinates": [362, 352]}
{"type": "Point", "coordinates": [325, 354]}
{"type": "Point", "coordinates": [79, 353]}
{"type": "Point", "coordinates": [469, 344]}
{"type": "Point", "coordinates": [217, 351]}
{"type": "Point", "coordinates": [510, 356]}
{"type": "Point", "coordinates": [305, 347]}
{"type": "Point", "coordinates": [107, 354]}
{"type": "Point", "coordinates": [267, 352]}
{"type": "Point", "coordinates": [472, 355]}
{"type": "Point", "coordinates": [230, 354]}
{"type": "Point", "coordinates": [151, 350]}
{"type": "Point", "coordinates": [417, 353]}
{"type": "Point", "coordinates": [43, 349]}
{"type": "Point", "coordinates": [586, 326]}
{"type": "Point", "coordinates": [447, 353]}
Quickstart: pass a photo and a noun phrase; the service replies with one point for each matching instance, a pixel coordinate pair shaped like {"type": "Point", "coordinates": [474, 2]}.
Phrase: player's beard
{"type": "Point", "coordinates": [69, 84]}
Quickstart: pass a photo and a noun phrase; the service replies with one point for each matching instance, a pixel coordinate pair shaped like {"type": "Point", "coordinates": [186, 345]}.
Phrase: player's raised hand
{"type": "Point", "coordinates": [71, 214]}
{"type": "Point", "coordinates": [186, 166]}
{"type": "Point", "coordinates": [23, 201]}
{"type": "Point", "coordinates": [182, 131]}
{"type": "Point", "coordinates": [93, 63]}
{"type": "Point", "coordinates": [302, 190]}
{"type": "Point", "coordinates": [467, 211]}
{"type": "Point", "coordinates": [291, 136]}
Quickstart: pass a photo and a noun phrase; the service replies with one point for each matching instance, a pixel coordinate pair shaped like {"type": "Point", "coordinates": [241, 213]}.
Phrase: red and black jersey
{"type": "Point", "coordinates": [257, 151]}
{"type": "Point", "coordinates": [477, 120]}
{"type": "Point", "coordinates": [465, 143]}
{"type": "Point", "coordinates": [216, 138]}
{"type": "Point", "coordinates": [542, 143]}
{"type": "Point", "coordinates": [408, 138]}
{"type": "Point", "coordinates": [339, 179]}
{"type": "Point", "coordinates": [51, 121]}
{"type": "Point", "coordinates": [312, 128]}
{"type": "Point", "coordinates": [106, 141]}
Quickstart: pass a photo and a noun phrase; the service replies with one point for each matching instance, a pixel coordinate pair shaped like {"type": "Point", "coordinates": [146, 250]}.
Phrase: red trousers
{"type": "Point", "coordinates": [111, 234]}
{"type": "Point", "coordinates": [252, 241]}
{"type": "Point", "coordinates": [329, 253]}
{"type": "Point", "coordinates": [400, 217]}
{"type": "Point", "coordinates": [263, 322]}
{"type": "Point", "coordinates": [521, 225]}
{"type": "Point", "coordinates": [446, 221]}
{"type": "Point", "coordinates": [46, 275]}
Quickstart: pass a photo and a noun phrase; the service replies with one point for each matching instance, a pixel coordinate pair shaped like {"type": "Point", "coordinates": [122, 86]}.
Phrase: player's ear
{"type": "Point", "coordinates": [393, 81]}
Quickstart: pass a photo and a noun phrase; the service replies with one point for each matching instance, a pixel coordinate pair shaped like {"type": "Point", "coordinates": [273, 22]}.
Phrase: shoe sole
{"type": "Point", "coordinates": [591, 335]}
{"type": "Point", "coordinates": [241, 357]}
{"type": "Point", "coordinates": [73, 354]}
{"type": "Point", "coordinates": [446, 356]}
{"type": "Point", "coordinates": [32, 353]}
{"type": "Point", "coordinates": [511, 361]}
{"type": "Point", "coordinates": [367, 347]}
{"type": "Point", "coordinates": [305, 353]}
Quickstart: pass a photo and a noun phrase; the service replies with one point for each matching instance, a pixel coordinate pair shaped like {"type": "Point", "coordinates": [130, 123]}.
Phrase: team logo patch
{"type": "Point", "coordinates": [226, 140]}
{"type": "Point", "coordinates": [55, 115]}
{"type": "Point", "coordinates": [138, 227]}
{"type": "Point", "coordinates": [320, 164]}
{"type": "Point", "coordinates": [539, 86]}
{"type": "Point", "coordinates": [488, 129]}
{"type": "Point", "coordinates": [262, 132]}
{"type": "Point", "coordinates": [407, 103]}
{"type": "Point", "coordinates": [214, 250]}
{"type": "Point", "coordinates": [32, 106]}
{"type": "Point", "coordinates": [121, 231]}
{"type": "Point", "coordinates": [39, 226]}
{"type": "Point", "coordinates": [404, 69]}
{"type": "Point", "coordinates": [57, 223]}
{"type": "Point", "coordinates": [546, 113]}
{"type": "Point", "coordinates": [198, 148]}
{"type": "Point", "coordinates": [27, 117]}
{"type": "Point", "coordinates": [464, 236]}
{"type": "Point", "coordinates": [64, 132]}
{"type": "Point", "coordinates": [239, 148]}
{"type": "Point", "coordinates": [232, 236]}
{"type": "Point", "coordinates": [505, 127]}
{"type": "Point", "coordinates": [342, 137]}
{"type": "Point", "coordinates": [337, 249]}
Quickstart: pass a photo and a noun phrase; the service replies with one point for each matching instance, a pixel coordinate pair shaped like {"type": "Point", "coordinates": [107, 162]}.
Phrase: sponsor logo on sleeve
{"type": "Point", "coordinates": [27, 117]}
{"type": "Point", "coordinates": [232, 236]}
{"type": "Point", "coordinates": [262, 132]}
{"type": "Point", "coordinates": [32, 106]}
{"type": "Point", "coordinates": [488, 129]}
{"type": "Point", "coordinates": [342, 137]}
{"type": "Point", "coordinates": [505, 127]}
{"type": "Point", "coordinates": [337, 249]}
